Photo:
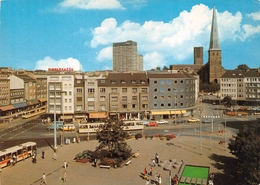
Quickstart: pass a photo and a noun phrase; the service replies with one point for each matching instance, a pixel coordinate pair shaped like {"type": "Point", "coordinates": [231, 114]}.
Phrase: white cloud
{"type": "Point", "coordinates": [49, 62]}
{"type": "Point", "coordinates": [172, 41]}
{"type": "Point", "coordinates": [255, 16]}
{"type": "Point", "coordinates": [153, 60]}
{"type": "Point", "coordinates": [105, 54]}
{"type": "Point", "coordinates": [91, 4]}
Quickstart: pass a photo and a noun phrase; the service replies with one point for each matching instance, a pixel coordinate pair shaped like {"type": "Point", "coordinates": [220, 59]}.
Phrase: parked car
{"type": "Point", "coordinates": [152, 124]}
{"type": "Point", "coordinates": [162, 121]}
{"type": "Point", "coordinates": [193, 120]}
{"type": "Point", "coordinates": [69, 127]}
{"type": "Point", "coordinates": [180, 121]}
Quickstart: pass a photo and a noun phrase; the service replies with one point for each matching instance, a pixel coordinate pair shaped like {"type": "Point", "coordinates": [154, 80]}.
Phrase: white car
{"type": "Point", "coordinates": [193, 120]}
{"type": "Point", "coordinates": [162, 121]}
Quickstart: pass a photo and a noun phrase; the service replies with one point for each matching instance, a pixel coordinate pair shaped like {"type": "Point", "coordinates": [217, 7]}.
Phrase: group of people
{"type": "Point", "coordinates": [211, 178]}
{"type": "Point", "coordinates": [157, 178]}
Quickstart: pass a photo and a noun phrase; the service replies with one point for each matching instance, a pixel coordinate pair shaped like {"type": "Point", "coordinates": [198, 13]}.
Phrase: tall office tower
{"type": "Point", "coordinates": [126, 58]}
{"type": "Point", "coordinates": [198, 55]}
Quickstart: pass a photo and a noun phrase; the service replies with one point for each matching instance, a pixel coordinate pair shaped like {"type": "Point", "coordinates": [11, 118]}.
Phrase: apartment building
{"type": "Point", "coordinates": [126, 57]}
{"type": "Point", "coordinates": [125, 95]}
{"type": "Point", "coordinates": [171, 93]}
{"type": "Point", "coordinates": [60, 95]}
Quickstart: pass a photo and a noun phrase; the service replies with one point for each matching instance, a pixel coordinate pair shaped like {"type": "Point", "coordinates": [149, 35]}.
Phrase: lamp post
{"type": "Point", "coordinates": [61, 138]}
{"type": "Point", "coordinates": [55, 130]}
{"type": "Point", "coordinates": [200, 109]}
{"type": "Point", "coordinates": [175, 90]}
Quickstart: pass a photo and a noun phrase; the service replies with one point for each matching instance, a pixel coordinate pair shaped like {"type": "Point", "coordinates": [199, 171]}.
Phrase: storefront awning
{"type": "Point", "coordinates": [98, 115]}
{"type": "Point", "coordinates": [66, 117]}
{"type": "Point", "coordinates": [5, 108]}
{"type": "Point", "coordinates": [175, 112]}
{"type": "Point", "coordinates": [160, 112]}
{"type": "Point", "coordinates": [43, 99]}
{"type": "Point", "coordinates": [183, 111]}
{"type": "Point", "coordinates": [19, 105]}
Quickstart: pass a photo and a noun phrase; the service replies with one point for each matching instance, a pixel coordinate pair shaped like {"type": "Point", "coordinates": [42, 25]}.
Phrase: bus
{"type": "Point", "coordinates": [89, 127]}
{"type": "Point", "coordinates": [133, 125]}
{"type": "Point", "coordinates": [128, 125]}
{"type": "Point", "coordinates": [33, 112]}
{"type": "Point", "coordinates": [17, 153]}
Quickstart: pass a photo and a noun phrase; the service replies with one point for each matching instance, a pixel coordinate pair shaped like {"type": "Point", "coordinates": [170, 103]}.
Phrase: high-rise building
{"type": "Point", "coordinates": [126, 57]}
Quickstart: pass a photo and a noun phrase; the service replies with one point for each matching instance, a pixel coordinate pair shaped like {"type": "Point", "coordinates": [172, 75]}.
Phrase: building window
{"type": "Point", "coordinates": [169, 97]}
{"type": "Point", "coordinates": [162, 104]}
{"type": "Point", "coordinates": [134, 90]}
{"type": "Point", "coordinates": [102, 107]}
{"type": "Point", "coordinates": [103, 81]}
{"type": "Point", "coordinates": [114, 90]}
{"type": "Point", "coordinates": [161, 89]}
{"type": "Point", "coordinates": [91, 90]}
{"type": "Point", "coordinates": [169, 89]}
{"type": "Point", "coordinates": [169, 104]}
{"type": "Point", "coordinates": [155, 82]}
{"type": "Point", "coordinates": [144, 98]}
{"type": "Point", "coordinates": [91, 99]}
{"type": "Point", "coordinates": [79, 107]}
{"type": "Point", "coordinates": [102, 90]}
{"type": "Point", "coordinates": [124, 90]}
{"type": "Point", "coordinates": [134, 106]}
{"type": "Point", "coordinates": [124, 98]}
{"type": "Point", "coordinates": [162, 97]}
{"type": "Point", "coordinates": [144, 90]}
{"type": "Point", "coordinates": [142, 81]}
{"type": "Point", "coordinates": [155, 90]}
{"type": "Point", "coordinates": [133, 81]}
{"type": "Point", "coordinates": [169, 82]}
{"type": "Point", "coordinates": [102, 98]}
{"type": "Point", "coordinates": [79, 99]}
{"type": "Point", "coordinates": [134, 98]}
{"type": "Point", "coordinates": [124, 106]}
{"type": "Point", "coordinates": [123, 82]}
{"type": "Point", "coordinates": [161, 81]}
{"type": "Point", "coordinates": [155, 105]}
{"type": "Point", "coordinates": [91, 107]}
{"type": "Point", "coordinates": [114, 98]}
{"type": "Point", "coordinates": [113, 82]}
{"type": "Point", "coordinates": [155, 97]}
{"type": "Point", "coordinates": [79, 90]}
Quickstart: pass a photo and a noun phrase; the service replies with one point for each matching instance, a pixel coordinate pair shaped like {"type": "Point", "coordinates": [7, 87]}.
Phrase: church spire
{"type": "Point", "coordinates": [214, 41]}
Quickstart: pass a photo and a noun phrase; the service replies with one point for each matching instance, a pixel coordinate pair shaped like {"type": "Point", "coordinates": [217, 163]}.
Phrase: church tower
{"type": "Point", "coordinates": [214, 54]}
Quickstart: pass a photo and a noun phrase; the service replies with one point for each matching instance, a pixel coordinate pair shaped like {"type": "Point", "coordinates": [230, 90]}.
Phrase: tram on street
{"type": "Point", "coordinates": [133, 125]}
{"type": "Point", "coordinates": [17, 153]}
{"type": "Point", "coordinates": [34, 112]}
{"type": "Point", "coordinates": [89, 127]}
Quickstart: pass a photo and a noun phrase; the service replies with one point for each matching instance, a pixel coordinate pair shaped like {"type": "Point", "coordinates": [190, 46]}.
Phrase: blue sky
{"type": "Point", "coordinates": [38, 34]}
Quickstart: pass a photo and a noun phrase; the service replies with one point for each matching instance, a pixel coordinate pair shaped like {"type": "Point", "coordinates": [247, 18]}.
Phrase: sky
{"type": "Point", "coordinates": [42, 34]}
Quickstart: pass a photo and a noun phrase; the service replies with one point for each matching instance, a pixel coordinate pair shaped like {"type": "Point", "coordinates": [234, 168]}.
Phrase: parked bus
{"type": "Point", "coordinates": [127, 126]}
{"type": "Point", "coordinates": [17, 153]}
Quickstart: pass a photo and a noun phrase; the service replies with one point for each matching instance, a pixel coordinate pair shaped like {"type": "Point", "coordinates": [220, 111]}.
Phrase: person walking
{"type": "Point", "coordinates": [43, 154]}
{"type": "Point", "coordinates": [151, 171]}
{"type": "Point", "coordinates": [153, 161]}
{"type": "Point", "coordinates": [54, 156]}
{"type": "Point", "coordinates": [64, 176]}
{"type": "Point", "coordinates": [156, 158]}
{"type": "Point", "coordinates": [44, 180]}
{"type": "Point", "coordinates": [160, 180]}
{"type": "Point", "coordinates": [156, 178]}
{"type": "Point", "coordinates": [65, 164]}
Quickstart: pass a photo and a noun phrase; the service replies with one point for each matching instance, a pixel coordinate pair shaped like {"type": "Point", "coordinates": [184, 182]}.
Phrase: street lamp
{"type": "Point", "coordinates": [200, 110]}
{"type": "Point", "coordinates": [175, 90]}
{"type": "Point", "coordinates": [55, 131]}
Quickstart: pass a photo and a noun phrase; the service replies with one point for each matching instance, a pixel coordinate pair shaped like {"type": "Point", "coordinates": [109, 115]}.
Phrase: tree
{"type": "Point", "coordinates": [112, 137]}
{"type": "Point", "coordinates": [209, 87]}
{"type": "Point", "coordinates": [243, 67]}
{"type": "Point", "coordinates": [246, 148]}
{"type": "Point", "coordinates": [228, 102]}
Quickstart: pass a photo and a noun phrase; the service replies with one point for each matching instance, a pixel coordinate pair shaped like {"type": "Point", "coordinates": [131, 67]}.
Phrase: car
{"type": "Point", "coordinates": [68, 127]}
{"type": "Point", "coordinates": [180, 121]}
{"type": "Point", "coordinates": [152, 124]}
{"type": "Point", "coordinates": [207, 121]}
{"type": "Point", "coordinates": [146, 122]}
{"type": "Point", "coordinates": [58, 127]}
{"type": "Point", "coordinates": [162, 121]}
{"type": "Point", "coordinates": [193, 120]}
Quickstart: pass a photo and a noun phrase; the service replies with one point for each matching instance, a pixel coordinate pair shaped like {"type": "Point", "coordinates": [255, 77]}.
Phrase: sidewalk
{"type": "Point", "coordinates": [27, 173]}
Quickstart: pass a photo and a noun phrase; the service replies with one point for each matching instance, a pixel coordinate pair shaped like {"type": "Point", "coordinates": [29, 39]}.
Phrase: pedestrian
{"type": "Point", "coordinates": [145, 171]}
{"type": "Point", "coordinates": [160, 180]}
{"type": "Point", "coordinates": [43, 154]}
{"type": "Point", "coordinates": [64, 176]}
{"type": "Point", "coordinates": [153, 161]}
{"type": "Point", "coordinates": [95, 162]}
{"type": "Point", "coordinates": [156, 158]}
{"type": "Point", "coordinates": [14, 159]}
{"type": "Point", "coordinates": [43, 180]}
{"type": "Point", "coordinates": [54, 156]}
{"type": "Point", "coordinates": [151, 171]}
{"type": "Point", "coordinates": [156, 178]}
{"type": "Point", "coordinates": [147, 182]}
{"type": "Point", "coordinates": [65, 164]}
{"type": "Point", "coordinates": [11, 162]}
{"type": "Point", "coordinates": [34, 159]}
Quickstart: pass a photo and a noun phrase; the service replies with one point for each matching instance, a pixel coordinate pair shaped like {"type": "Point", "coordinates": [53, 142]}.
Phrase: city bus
{"type": "Point", "coordinates": [128, 125]}
{"type": "Point", "coordinates": [89, 127]}
{"type": "Point", "coordinates": [18, 153]}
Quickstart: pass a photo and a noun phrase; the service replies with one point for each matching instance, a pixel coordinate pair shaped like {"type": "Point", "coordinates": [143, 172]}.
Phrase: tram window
{"type": "Point", "coordinates": [19, 152]}
{"type": "Point", "coordinates": [29, 148]}
{"type": "Point", "coordinates": [2, 158]}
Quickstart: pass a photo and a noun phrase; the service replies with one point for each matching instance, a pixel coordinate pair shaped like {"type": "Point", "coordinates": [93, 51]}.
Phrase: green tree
{"type": "Point", "coordinates": [242, 67]}
{"type": "Point", "coordinates": [228, 102]}
{"type": "Point", "coordinates": [246, 148]}
{"type": "Point", "coordinates": [111, 136]}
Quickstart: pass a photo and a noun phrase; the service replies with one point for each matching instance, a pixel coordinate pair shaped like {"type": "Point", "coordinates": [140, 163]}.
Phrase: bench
{"type": "Point", "coordinates": [187, 181]}
{"type": "Point", "coordinates": [104, 166]}
{"type": "Point", "coordinates": [193, 181]}
{"type": "Point", "coordinates": [128, 162]}
{"type": "Point", "coordinates": [204, 182]}
{"type": "Point", "coordinates": [199, 181]}
{"type": "Point", "coordinates": [182, 179]}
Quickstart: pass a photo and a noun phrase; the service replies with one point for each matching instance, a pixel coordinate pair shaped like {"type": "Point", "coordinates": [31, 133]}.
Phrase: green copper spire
{"type": "Point", "coordinates": [214, 42]}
